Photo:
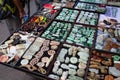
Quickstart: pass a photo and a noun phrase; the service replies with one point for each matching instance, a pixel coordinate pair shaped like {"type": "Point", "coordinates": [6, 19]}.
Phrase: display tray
{"type": "Point", "coordinates": [113, 3]}
{"type": "Point", "coordinates": [108, 39]}
{"type": "Point", "coordinates": [88, 18]}
{"type": "Point", "coordinates": [39, 56]}
{"type": "Point", "coordinates": [35, 25]}
{"type": "Point", "coordinates": [90, 7]}
{"type": "Point", "coordinates": [59, 5]}
{"type": "Point", "coordinates": [57, 30]}
{"type": "Point", "coordinates": [104, 66]}
{"type": "Point", "coordinates": [59, 47]}
{"type": "Point", "coordinates": [48, 13]}
{"type": "Point", "coordinates": [95, 1]}
{"type": "Point", "coordinates": [71, 0]}
{"type": "Point", "coordinates": [70, 4]}
{"type": "Point", "coordinates": [67, 15]}
{"type": "Point", "coordinates": [14, 47]}
{"type": "Point", "coordinates": [111, 17]}
{"type": "Point", "coordinates": [71, 63]}
{"type": "Point", "coordinates": [82, 35]}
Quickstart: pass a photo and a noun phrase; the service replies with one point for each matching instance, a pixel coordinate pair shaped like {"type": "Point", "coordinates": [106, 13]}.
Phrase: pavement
{"type": "Point", "coordinates": [8, 73]}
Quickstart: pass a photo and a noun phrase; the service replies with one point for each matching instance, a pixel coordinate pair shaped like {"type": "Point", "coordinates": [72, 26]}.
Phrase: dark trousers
{"type": "Point", "coordinates": [40, 3]}
{"type": "Point", "coordinates": [13, 22]}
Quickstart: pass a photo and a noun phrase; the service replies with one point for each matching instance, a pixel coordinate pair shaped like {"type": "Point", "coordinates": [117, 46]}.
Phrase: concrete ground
{"type": "Point", "coordinates": [7, 73]}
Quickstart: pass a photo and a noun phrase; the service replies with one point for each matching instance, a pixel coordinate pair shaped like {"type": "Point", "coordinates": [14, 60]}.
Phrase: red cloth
{"type": "Point", "coordinates": [48, 6]}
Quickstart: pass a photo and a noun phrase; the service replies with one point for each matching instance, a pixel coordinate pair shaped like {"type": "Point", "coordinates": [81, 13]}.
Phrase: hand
{"type": "Point", "coordinates": [22, 14]}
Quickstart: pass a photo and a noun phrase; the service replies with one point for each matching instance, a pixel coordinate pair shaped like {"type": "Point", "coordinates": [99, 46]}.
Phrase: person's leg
{"type": "Point", "coordinates": [13, 23]}
{"type": "Point", "coordinates": [40, 3]}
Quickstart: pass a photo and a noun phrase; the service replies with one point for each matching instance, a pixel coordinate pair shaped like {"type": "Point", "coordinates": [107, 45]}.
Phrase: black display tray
{"type": "Point", "coordinates": [67, 11]}
{"type": "Point", "coordinates": [94, 2]}
{"type": "Point", "coordinates": [52, 30]}
{"type": "Point", "coordinates": [110, 41]}
{"type": "Point", "coordinates": [80, 28]}
{"type": "Point", "coordinates": [90, 19]}
{"type": "Point", "coordinates": [35, 70]}
{"type": "Point", "coordinates": [77, 16]}
{"type": "Point", "coordinates": [101, 64]}
{"type": "Point", "coordinates": [100, 8]}
{"type": "Point", "coordinates": [67, 47]}
{"type": "Point", "coordinates": [14, 47]}
{"type": "Point", "coordinates": [49, 70]}
{"type": "Point", "coordinates": [114, 3]}
{"type": "Point", "coordinates": [35, 26]}
{"type": "Point", "coordinates": [110, 18]}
